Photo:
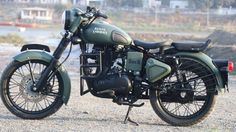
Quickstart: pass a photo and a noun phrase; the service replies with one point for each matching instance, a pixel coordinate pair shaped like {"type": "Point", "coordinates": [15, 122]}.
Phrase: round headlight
{"type": "Point", "coordinates": [66, 19]}
{"type": "Point", "coordinates": [63, 18]}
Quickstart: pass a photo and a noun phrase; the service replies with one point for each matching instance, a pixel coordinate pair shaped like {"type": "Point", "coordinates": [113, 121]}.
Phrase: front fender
{"type": "Point", "coordinates": [207, 61]}
{"type": "Point", "coordinates": [42, 55]}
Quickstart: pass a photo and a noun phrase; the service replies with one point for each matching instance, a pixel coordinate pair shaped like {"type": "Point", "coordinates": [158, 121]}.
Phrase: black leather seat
{"type": "Point", "coordinates": [149, 45]}
{"type": "Point", "coordinates": [191, 45]}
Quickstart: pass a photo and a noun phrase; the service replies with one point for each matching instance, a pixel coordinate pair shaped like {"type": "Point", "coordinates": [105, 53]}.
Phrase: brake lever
{"type": "Point", "coordinates": [89, 15]}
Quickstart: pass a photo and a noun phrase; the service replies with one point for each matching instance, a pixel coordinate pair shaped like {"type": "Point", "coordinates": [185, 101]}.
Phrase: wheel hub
{"type": "Point", "coordinates": [184, 94]}
{"type": "Point", "coordinates": [26, 89]}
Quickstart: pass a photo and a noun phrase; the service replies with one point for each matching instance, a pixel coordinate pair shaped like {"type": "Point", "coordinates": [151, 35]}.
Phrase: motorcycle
{"type": "Point", "coordinates": [180, 81]}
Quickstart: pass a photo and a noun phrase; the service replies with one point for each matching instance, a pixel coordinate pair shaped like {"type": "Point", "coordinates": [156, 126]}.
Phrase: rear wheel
{"type": "Point", "coordinates": [17, 94]}
{"type": "Point", "coordinates": [187, 96]}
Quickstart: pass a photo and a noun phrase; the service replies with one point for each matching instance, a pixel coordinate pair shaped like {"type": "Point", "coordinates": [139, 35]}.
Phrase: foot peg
{"type": "Point", "coordinates": [128, 103]}
{"type": "Point", "coordinates": [110, 92]}
{"type": "Point", "coordinates": [134, 105]}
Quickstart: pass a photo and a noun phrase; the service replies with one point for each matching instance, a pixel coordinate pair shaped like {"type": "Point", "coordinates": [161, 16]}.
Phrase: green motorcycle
{"type": "Point", "coordinates": [180, 81]}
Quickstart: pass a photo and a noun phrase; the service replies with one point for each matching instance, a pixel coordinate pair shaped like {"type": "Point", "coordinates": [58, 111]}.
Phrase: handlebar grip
{"type": "Point", "coordinates": [99, 14]}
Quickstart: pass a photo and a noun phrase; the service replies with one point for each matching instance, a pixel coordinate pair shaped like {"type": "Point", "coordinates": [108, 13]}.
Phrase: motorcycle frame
{"type": "Point", "coordinates": [54, 61]}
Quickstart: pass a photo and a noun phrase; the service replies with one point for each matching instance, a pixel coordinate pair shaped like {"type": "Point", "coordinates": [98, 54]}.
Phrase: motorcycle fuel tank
{"type": "Point", "coordinates": [104, 33]}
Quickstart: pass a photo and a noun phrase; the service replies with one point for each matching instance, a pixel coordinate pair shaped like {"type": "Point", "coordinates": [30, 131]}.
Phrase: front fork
{"type": "Point", "coordinates": [42, 82]}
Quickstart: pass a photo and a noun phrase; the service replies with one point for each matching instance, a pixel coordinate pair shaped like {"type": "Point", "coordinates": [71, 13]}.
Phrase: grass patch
{"type": "Point", "coordinates": [12, 39]}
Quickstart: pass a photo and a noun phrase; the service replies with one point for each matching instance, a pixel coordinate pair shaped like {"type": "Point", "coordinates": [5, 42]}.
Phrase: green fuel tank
{"type": "Point", "coordinates": [103, 33]}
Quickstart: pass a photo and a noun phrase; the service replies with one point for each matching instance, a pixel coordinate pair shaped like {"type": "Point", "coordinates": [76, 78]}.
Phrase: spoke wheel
{"type": "Point", "coordinates": [189, 100]}
{"type": "Point", "coordinates": [16, 90]}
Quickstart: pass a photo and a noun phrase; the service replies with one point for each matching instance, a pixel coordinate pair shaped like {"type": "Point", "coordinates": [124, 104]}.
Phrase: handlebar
{"type": "Point", "coordinates": [93, 12]}
{"type": "Point", "coordinates": [99, 14]}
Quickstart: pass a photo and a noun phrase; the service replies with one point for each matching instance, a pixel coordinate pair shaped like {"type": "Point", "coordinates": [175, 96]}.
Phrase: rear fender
{"type": "Point", "coordinates": [222, 65]}
{"type": "Point", "coordinates": [206, 61]}
{"type": "Point", "coordinates": [42, 55]}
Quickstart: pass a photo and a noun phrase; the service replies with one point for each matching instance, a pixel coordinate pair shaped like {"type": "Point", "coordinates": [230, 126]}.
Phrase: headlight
{"type": "Point", "coordinates": [66, 19]}
{"type": "Point", "coordinates": [71, 19]}
{"type": "Point", "coordinates": [63, 18]}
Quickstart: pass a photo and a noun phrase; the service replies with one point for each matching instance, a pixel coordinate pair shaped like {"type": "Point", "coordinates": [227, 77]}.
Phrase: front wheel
{"type": "Point", "coordinates": [187, 96]}
{"type": "Point", "coordinates": [17, 95]}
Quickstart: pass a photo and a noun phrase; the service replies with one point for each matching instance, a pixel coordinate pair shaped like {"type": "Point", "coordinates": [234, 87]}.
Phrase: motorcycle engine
{"type": "Point", "coordinates": [114, 80]}
{"type": "Point", "coordinates": [121, 85]}
{"type": "Point", "coordinates": [113, 77]}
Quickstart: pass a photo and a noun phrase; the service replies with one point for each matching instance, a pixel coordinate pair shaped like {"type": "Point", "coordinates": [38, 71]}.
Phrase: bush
{"type": "Point", "coordinates": [12, 38]}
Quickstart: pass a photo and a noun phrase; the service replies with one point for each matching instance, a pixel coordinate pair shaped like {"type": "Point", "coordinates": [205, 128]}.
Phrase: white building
{"type": "Point", "coordinates": [179, 4]}
{"type": "Point", "coordinates": [38, 1]}
{"type": "Point", "coordinates": [53, 1]}
{"type": "Point", "coordinates": [88, 2]}
{"type": "Point", "coordinates": [36, 13]}
{"type": "Point", "coordinates": [151, 3]}
{"type": "Point", "coordinates": [225, 11]}
{"type": "Point", "coordinates": [22, 1]}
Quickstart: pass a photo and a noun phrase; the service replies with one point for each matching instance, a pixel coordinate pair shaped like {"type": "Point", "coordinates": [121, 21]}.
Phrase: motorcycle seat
{"type": "Point", "coordinates": [149, 45]}
{"type": "Point", "coordinates": [191, 45]}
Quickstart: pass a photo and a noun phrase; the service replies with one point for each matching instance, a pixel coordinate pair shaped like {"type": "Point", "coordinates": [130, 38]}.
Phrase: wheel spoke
{"type": "Point", "coordinates": [37, 106]}
{"type": "Point", "coordinates": [16, 83]}
{"type": "Point", "coordinates": [187, 106]}
{"type": "Point", "coordinates": [31, 72]}
{"type": "Point", "coordinates": [16, 97]}
{"type": "Point", "coordinates": [21, 71]}
{"type": "Point", "coordinates": [22, 104]}
{"type": "Point", "coordinates": [32, 108]}
{"type": "Point", "coordinates": [176, 108]}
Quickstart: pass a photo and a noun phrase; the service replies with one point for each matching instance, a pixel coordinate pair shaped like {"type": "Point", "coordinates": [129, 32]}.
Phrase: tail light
{"type": "Point", "coordinates": [230, 66]}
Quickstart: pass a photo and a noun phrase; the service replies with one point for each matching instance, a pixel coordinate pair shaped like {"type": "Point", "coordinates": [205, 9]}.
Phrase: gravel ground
{"type": "Point", "coordinates": [89, 113]}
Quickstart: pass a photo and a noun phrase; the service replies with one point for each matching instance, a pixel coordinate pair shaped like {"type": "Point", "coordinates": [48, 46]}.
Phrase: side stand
{"type": "Point", "coordinates": [127, 118]}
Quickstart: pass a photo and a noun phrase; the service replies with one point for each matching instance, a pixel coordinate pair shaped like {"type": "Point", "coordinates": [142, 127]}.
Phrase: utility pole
{"type": "Point", "coordinates": [155, 13]}
{"type": "Point", "coordinates": [208, 13]}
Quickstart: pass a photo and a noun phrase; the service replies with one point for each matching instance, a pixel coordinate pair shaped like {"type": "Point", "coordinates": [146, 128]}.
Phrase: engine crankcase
{"type": "Point", "coordinates": [120, 84]}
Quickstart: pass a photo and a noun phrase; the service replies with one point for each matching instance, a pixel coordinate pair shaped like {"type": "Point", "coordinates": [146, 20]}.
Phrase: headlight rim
{"type": "Point", "coordinates": [67, 19]}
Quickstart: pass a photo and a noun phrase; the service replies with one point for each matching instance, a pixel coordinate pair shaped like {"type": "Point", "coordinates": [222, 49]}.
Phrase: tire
{"type": "Point", "coordinates": [15, 88]}
{"type": "Point", "coordinates": [173, 112]}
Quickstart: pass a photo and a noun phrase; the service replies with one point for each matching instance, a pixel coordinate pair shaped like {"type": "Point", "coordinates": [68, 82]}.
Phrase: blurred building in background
{"type": "Point", "coordinates": [179, 4]}
{"type": "Point", "coordinates": [63, 2]}
{"type": "Point", "coordinates": [36, 13]}
{"type": "Point", "coordinates": [172, 4]}
{"type": "Point", "coordinates": [37, 1]}
{"type": "Point", "coordinates": [151, 3]}
{"type": "Point", "coordinates": [88, 2]}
